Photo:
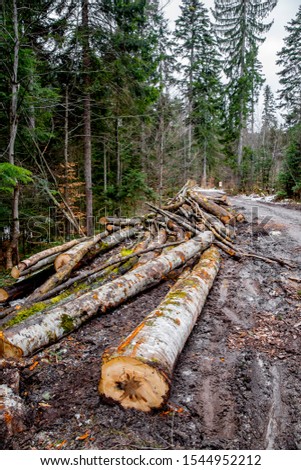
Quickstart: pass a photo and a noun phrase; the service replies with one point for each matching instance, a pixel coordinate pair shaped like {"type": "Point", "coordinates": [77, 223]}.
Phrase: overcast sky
{"type": "Point", "coordinates": [284, 12]}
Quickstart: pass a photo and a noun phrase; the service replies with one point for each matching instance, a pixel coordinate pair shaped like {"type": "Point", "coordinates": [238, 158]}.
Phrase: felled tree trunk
{"type": "Point", "coordinates": [26, 286]}
{"type": "Point", "coordinates": [42, 255]}
{"type": "Point", "coordinates": [212, 207]}
{"type": "Point", "coordinates": [119, 221]}
{"type": "Point", "coordinates": [159, 240]}
{"type": "Point", "coordinates": [137, 374]}
{"type": "Point", "coordinates": [42, 264]}
{"type": "Point", "coordinates": [62, 274]}
{"type": "Point", "coordinates": [42, 329]}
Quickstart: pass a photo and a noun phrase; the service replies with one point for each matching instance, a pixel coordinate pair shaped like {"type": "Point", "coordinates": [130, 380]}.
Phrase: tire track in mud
{"type": "Point", "coordinates": [238, 383]}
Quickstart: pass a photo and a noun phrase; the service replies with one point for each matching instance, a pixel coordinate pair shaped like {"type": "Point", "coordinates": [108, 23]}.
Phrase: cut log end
{"type": "Point", "coordinates": [7, 349]}
{"type": "Point", "coordinates": [133, 384]}
{"type": "Point", "coordinates": [61, 260]}
{"type": "Point", "coordinates": [15, 272]}
{"type": "Point", "coordinates": [3, 295]}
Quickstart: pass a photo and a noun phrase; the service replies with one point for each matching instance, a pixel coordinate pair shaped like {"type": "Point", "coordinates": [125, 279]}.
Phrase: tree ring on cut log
{"type": "Point", "coordinates": [133, 383]}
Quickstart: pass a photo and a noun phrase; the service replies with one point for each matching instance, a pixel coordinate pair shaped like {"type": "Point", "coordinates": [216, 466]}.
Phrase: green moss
{"type": "Point", "coordinates": [24, 314]}
{"type": "Point", "coordinates": [125, 252]}
{"type": "Point", "coordinates": [67, 323]}
{"type": "Point", "coordinates": [177, 295]}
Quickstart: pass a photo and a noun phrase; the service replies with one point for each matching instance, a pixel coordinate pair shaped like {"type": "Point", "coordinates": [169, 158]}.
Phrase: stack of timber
{"type": "Point", "coordinates": [60, 288]}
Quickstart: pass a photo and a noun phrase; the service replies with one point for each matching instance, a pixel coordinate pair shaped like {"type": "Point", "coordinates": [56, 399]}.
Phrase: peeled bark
{"type": "Point", "coordinates": [27, 263]}
{"type": "Point", "coordinates": [212, 207]}
{"type": "Point", "coordinates": [137, 374]}
{"type": "Point", "coordinates": [42, 328]}
{"type": "Point", "coordinates": [25, 286]}
{"type": "Point", "coordinates": [62, 274]}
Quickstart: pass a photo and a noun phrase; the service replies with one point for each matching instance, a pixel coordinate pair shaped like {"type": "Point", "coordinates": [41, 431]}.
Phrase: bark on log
{"type": "Point", "coordinates": [42, 329]}
{"type": "Point", "coordinates": [65, 258]}
{"type": "Point", "coordinates": [173, 206]}
{"type": "Point", "coordinates": [27, 263]}
{"type": "Point", "coordinates": [137, 374]}
{"type": "Point", "coordinates": [159, 240]}
{"type": "Point", "coordinates": [25, 286]}
{"type": "Point", "coordinates": [12, 413]}
{"type": "Point", "coordinates": [176, 229]}
{"type": "Point", "coordinates": [211, 207]}
{"type": "Point", "coordinates": [42, 264]}
{"type": "Point", "coordinates": [119, 221]}
{"type": "Point", "coordinates": [60, 276]}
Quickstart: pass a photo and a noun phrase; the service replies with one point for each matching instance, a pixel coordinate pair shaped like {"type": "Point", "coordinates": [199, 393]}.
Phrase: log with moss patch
{"type": "Point", "coordinates": [42, 329]}
{"type": "Point", "coordinates": [137, 374]}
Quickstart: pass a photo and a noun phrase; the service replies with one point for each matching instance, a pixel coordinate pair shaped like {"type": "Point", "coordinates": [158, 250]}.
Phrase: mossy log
{"type": "Point", "coordinates": [26, 286]}
{"type": "Point", "coordinates": [211, 207]}
{"type": "Point", "coordinates": [104, 244]}
{"type": "Point", "coordinates": [41, 329]}
{"type": "Point", "coordinates": [137, 374]}
{"type": "Point", "coordinates": [32, 260]}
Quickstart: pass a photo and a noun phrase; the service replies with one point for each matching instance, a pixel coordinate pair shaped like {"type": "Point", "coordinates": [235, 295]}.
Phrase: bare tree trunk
{"type": "Point", "coordinates": [118, 156]}
{"type": "Point", "coordinates": [105, 170]}
{"type": "Point", "coordinates": [87, 120]}
{"type": "Point", "coordinates": [15, 226]}
{"type": "Point", "coordinates": [66, 157]}
{"type": "Point", "coordinates": [204, 178]}
{"type": "Point", "coordinates": [161, 151]}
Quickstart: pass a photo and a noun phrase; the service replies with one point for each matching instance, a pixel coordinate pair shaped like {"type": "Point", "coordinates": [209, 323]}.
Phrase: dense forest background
{"type": "Point", "coordinates": [102, 106]}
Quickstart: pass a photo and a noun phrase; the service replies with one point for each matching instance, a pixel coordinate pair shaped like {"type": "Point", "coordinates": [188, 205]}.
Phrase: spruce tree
{"type": "Point", "coordinates": [290, 63]}
{"type": "Point", "coordinates": [200, 79]}
{"type": "Point", "coordinates": [241, 28]}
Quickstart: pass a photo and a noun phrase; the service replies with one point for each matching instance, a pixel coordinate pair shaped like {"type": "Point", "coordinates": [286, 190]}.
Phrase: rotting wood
{"type": "Point", "coordinates": [137, 374]}
{"type": "Point", "coordinates": [41, 329]}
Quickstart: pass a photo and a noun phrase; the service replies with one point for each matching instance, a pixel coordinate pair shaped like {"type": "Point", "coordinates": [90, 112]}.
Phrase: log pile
{"type": "Point", "coordinates": [59, 289]}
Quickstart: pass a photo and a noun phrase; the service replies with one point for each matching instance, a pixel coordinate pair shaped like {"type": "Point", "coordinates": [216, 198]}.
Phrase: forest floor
{"type": "Point", "coordinates": [237, 384]}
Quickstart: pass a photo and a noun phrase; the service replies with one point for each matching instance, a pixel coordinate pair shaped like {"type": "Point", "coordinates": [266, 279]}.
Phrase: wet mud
{"type": "Point", "coordinates": [236, 385]}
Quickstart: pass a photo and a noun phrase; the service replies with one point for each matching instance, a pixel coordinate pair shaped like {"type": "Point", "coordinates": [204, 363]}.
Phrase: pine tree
{"type": "Point", "coordinates": [269, 117]}
{"type": "Point", "coordinates": [200, 81]}
{"type": "Point", "coordinates": [290, 62]}
{"type": "Point", "coordinates": [241, 29]}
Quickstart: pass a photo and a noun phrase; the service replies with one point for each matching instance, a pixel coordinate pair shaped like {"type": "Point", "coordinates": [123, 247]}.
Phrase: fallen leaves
{"type": "Point", "coordinates": [83, 436]}
{"type": "Point", "coordinates": [34, 365]}
{"type": "Point", "coordinates": [270, 334]}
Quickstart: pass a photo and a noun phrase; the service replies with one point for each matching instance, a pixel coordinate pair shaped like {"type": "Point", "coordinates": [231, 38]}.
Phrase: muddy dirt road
{"type": "Point", "coordinates": [237, 384]}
